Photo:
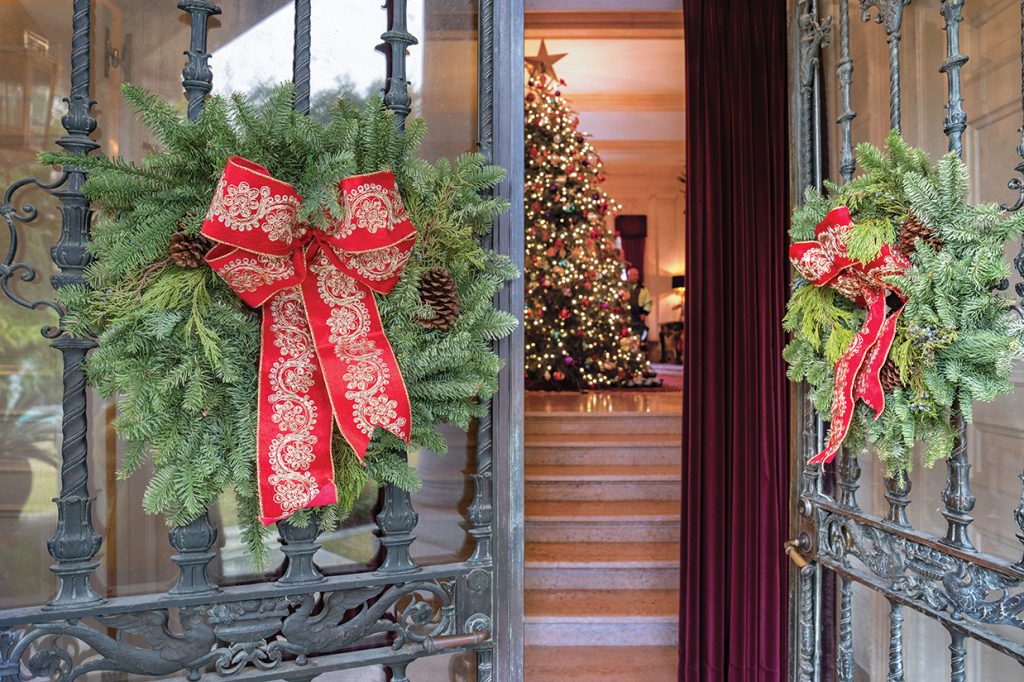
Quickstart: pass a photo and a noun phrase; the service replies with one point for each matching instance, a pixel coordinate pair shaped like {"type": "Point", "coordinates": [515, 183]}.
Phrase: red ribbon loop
{"type": "Point", "coordinates": [825, 262]}
{"type": "Point", "coordinates": [324, 351]}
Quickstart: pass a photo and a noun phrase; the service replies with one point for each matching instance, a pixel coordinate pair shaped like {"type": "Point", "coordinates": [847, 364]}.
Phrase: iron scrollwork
{"type": "Point", "coordinates": [11, 268]}
{"type": "Point", "coordinates": [231, 637]}
{"type": "Point", "coordinates": [923, 575]}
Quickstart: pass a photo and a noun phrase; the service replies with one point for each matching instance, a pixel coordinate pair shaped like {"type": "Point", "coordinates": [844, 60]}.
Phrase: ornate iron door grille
{"type": "Point", "coordinates": [944, 578]}
{"type": "Point", "coordinates": [305, 623]}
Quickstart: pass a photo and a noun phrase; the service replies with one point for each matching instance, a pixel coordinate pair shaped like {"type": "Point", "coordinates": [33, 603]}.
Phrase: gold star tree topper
{"type": "Point", "coordinates": [544, 63]}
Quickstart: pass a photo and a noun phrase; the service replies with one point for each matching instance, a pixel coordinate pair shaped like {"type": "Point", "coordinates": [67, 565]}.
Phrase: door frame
{"type": "Point", "coordinates": [502, 58]}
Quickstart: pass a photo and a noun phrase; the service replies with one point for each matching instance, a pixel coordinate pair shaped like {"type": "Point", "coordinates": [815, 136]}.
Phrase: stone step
{"type": "Point", "coordinates": [597, 482]}
{"type": "Point", "coordinates": [601, 664]}
{"type": "Point", "coordinates": [610, 449]}
{"type": "Point", "coordinates": [601, 618]}
{"type": "Point", "coordinates": [611, 423]}
{"type": "Point", "coordinates": [590, 521]}
{"type": "Point", "coordinates": [602, 566]}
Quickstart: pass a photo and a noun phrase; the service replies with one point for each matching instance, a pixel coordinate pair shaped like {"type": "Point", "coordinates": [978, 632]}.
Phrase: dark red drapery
{"type": "Point", "coordinates": [632, 230]}
{"type": "Point", "coordinates": [735, 423]}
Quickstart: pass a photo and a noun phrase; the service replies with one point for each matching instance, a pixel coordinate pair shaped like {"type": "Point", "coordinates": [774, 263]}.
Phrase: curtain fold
{"type": "Point", "coordinates": [632, 231]}
{"type": "Point", "coordinates": [735, 416]}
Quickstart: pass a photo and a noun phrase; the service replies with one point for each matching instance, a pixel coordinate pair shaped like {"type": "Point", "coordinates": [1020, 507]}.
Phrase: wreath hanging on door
{"type": "Point", "coordinates": [268, 289]}
{"type": "Point", "coordinates": [896, 312]}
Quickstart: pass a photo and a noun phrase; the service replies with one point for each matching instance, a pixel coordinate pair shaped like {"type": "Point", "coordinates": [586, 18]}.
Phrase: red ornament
{"type": "Point", "coordinates": [565, 314]}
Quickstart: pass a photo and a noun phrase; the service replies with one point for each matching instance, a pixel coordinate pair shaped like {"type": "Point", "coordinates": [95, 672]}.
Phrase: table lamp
{"type": "Point", "coordinates": [679, 285]}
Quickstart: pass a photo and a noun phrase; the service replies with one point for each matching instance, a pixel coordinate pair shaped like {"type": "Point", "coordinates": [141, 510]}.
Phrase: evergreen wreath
{"type": "Point", "coordinates": [957, 336]}
{"type": "Point", "coordinates": [178, 347]}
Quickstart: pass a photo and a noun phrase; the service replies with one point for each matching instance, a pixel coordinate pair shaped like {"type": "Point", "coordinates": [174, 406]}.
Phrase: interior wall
{"type": "Point", "coordinates": [660, 197]}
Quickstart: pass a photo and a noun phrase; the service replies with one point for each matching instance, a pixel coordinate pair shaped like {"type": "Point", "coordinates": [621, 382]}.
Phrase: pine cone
{"type": "Point", "coordinates": [438, 290]}
{"type": "Point", "coordinates": [189, 250]}
{"type": "Point", "coordinates": [912, 229]}
{"type": "Point", "coordinates": [890, 376]}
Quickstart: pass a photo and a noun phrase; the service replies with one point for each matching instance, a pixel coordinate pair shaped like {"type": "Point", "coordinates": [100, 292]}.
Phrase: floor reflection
{"type": "Point", "coordinates": [551, 402]}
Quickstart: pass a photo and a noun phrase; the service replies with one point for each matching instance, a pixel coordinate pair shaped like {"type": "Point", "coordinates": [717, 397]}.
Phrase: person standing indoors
{"type": "Point", "coordinates": [640, 303]}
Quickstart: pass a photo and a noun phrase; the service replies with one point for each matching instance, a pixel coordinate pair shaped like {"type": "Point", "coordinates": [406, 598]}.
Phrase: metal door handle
{"type": "Point", "coordinates": [792, 548]}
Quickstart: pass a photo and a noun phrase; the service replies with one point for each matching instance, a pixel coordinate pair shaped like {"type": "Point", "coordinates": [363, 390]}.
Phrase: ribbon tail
{"type": "Point", "coordinates": [869, 385]}
{"type": "Point", "coordinates": [350, 345]}
{"type": "Point", "coordinates": [847, 371]}
{"type": "Point", "coordinates": [293, 452]}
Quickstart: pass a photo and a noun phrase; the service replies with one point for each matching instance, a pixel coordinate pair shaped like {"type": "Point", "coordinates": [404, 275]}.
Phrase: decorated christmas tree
{"type": "Point", "coordinates": [578, 323]}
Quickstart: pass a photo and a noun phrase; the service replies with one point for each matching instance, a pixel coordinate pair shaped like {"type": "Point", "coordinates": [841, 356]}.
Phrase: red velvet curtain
{"type": "Point", "coordinates": [632, 230]}
{"type": "Point", "coordinates": [735, 415]}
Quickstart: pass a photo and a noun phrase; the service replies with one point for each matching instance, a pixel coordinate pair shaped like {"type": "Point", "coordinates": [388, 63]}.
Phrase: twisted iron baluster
{"type": "Point", "coordinates": [814, 35]}
{"type": "Point", "coordinates": [397, 40]}
{"type": "Point", "coordinates": [847, 162]}
{"type": "Point", "coordinates": [197, 77]}
{"type": "Point", "coordinates": [194, 540]}
{"type": "Point", "coordinates": [895, 642]}
{"type": "Point", "coordinates": [396, 518]}
{"type": "Point", "coordinates": [849, 475]}
{"type": "Point", "coordinates": [807, 652]}
{"type": "Point", "coordinates": [479, 597]}
{"type": "Point", "coordinates": [75, 543]}
{"type": "Point", "coordinates": [299, 544]}
{"type": "Point", "coordinates": [485, 83]}
{"type": "Point", "coordinates": [1018, 515]}
{"type": "Point", "coordinates": [300, 61]}
{"type": "Point", "coordinates": [957, 656]}
{"type": "Point", "coordinates": [1018, 262]}
{"type": "Point", "coordinates": [956, 118]}
{"type": "Point", "coordinates": [897, 489]}
{"type": "Point", "coordinates": [957, 496]}
{"type": "Point", "coordinates": [890, 15]}
{"type": "Point", "coordinates": [481, 512]}
{"type": "Point", "coordinates": [844, 651]}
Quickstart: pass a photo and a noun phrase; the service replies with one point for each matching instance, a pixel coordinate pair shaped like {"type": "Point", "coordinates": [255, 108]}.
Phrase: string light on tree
{"type": "Point", "coordinates": [577, 321]}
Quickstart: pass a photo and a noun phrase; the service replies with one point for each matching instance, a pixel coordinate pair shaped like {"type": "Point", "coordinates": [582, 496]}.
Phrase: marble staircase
{"type": "Point", "coordinates": [602, 536]}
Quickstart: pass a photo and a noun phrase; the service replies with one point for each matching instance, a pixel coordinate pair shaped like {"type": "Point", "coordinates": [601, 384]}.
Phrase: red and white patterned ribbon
{"type": "Point", "coordinates": [825, 262]}
{"type": "Point", "coordinates": [323, 350]}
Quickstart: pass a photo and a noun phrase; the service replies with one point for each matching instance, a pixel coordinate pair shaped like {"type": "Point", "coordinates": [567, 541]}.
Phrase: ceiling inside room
{"type": "Point", "coordinates": [624, 75]}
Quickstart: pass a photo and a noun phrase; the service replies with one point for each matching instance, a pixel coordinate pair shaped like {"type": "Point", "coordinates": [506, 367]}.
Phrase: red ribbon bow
{"type": "Point", "coordinates": [825, 262]}
{"type": "Point", "coordinates": [323, 350]}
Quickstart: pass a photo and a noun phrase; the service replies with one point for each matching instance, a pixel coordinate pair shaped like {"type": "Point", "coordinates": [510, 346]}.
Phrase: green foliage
{"type": "Point", "coordinates": [179, 349]}
{"type": "Point", "coordinates": [821, 312]}
{"type": "Point", "coordinates": [956, 338]}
